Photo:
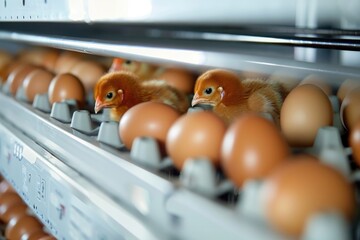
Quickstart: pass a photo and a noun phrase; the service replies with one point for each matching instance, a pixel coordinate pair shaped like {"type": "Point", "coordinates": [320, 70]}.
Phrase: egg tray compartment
{"type": "Point", "coordinates": [154, 181]}
{"type": "Point", "coordinates": [162, 169]}
{"type": "Point", "coordinates": [105, 167]}
{"type": "Point", "coordinates": [198, 175]}
{"type": "Point", "coordinates": [68, 112]}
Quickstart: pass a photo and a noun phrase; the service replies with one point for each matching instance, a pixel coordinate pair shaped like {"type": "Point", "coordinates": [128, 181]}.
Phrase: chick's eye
{"type": "Point", "coordinates": [128, 62]}
{"type": "Point", "coordinates": [109, 95]}
{"type": "Point", "coordinates": [208, 91]}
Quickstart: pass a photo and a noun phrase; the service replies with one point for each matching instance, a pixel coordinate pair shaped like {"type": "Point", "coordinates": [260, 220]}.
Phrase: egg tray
{"type": "Point", "coordinates": [90, 144]}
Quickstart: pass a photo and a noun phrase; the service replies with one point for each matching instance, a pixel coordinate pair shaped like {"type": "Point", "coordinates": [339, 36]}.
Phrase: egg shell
{"type": "Point", "coordinates": [303, 186]}
{"type": "Point", "coordinates": [49, 59]}
{"type": "Point", "coordinates": [17, 76]}
{"type": "Point", "coordinates": [88, 72]}
{"type": "Point", "coordinates": [349, 110]}
{"type": "Point", "coordinates": [22, 227]}
{"type": "Point", "coordinates": [196, 134]}
{"type": "Point", "coordinates": [40, 234]}
{"type": "Point", "coordinates": [319, 82]}
{"type": "Point", "coordinates": [306, 109]}
{"type": "Point", "coordinates": [42, 57]}
{"type": "Point", "coordinates": [13, 211]}
{"type": "Point", "coordinates": [8, 68]}
{"type": "Point", "coordinates": [180, 79]}
{"type": "Point", "coordinates": [66, 86]}
{"type": "Point", "coordinates": [252, 147]}
{"type": "Point", "coordinates": [354, 141]}
{"type": "Point", "coordinates": [5, 59]}
{"type": "Point", "coordinates": [346, 87]}
{"type": "Point", "coordinates": [7, 200]}
{"type": "Point", "coordinates": [66, 61]}
{"type": "Point", "coordinates": [37, 82]}
{"type": "Point", "coordinates": [148, 119]}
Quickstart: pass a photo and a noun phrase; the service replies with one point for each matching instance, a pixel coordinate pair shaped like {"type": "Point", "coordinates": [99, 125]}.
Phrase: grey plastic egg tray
{"type": "Point", "coordinates": [196, 203]}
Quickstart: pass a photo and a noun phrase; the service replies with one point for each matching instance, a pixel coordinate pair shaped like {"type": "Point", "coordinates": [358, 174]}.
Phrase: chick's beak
{"type": "Point", "coordinates": [98, 105]}
{"type": "Point", "coordinates": [196, 100]}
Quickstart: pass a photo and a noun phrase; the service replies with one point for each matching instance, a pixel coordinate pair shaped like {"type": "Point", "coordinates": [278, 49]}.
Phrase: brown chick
{"type": "Point", "coordinates": [144, 71]}
{"type": "Point", "coordinates": [122, 90]}
{"type": "Point", "coordinates": [230, 96]}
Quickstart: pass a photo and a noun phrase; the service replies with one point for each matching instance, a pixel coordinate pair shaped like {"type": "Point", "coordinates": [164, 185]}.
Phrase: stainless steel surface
{"type": "Point", "coordinates": [195, 58]}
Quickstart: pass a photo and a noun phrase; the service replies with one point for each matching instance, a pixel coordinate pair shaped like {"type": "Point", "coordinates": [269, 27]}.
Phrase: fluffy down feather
{"type": "Point", "coordinates": [144, 71]}
{"type": "Point", "coordinates": [230, 96]}
{"type": "Point", "coordinates": [121, 90]}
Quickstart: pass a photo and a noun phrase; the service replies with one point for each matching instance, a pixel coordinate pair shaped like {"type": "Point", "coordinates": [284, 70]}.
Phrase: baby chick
{"type": "Point", "coordinates": [122, 90]}
{"type": "Point", "coordinates": [230, 96]}
{"type": "Point", "coordinates": [144, 71]}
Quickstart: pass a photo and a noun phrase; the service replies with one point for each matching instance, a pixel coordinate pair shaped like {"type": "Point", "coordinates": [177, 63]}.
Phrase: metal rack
{"type": "Point", "coordinates": [102, 187]}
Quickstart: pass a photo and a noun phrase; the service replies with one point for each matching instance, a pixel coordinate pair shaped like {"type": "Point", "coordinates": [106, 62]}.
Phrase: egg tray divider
{"type": "Point", "coordinates": [128, 180]}
{"type": "Point", "coordinates": [198, 175]}
{"type": "Point", "coordinates": [68, 111]}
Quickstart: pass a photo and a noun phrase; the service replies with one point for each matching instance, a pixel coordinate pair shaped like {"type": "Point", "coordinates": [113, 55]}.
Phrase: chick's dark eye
{"type": "Point", "coordinates": [208, 90]}
{"type": "Point", "coordinates": [128, 62]}
{"type": "Point", "coordinates": [109, 95]}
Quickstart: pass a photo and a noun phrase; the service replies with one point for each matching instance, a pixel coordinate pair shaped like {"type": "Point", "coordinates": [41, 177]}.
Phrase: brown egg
{"type": "Point", "coordinates": [42, 57]}
{"type": "Point", "coordinates": [306, 109]}
{"type": "Point", "coordinates": [7, 69]}
{"type": "Point", "coordinates": [252, 147]}
{"type": "Point", "coordinates": [13, 211]}
{"type": "Point", "coordinates": [17, 76]}
{"type": "Point", "coordinates": [66, 86]}
{"type": "Point", "coordinates": [302, 187]}
{"type": "Point", "coordinates": [149, 119]}
{"type": "Point", "coordinates": [66, 61]}
{"type": "Point", "coordinates": [346, 86]}
{"type": "Point", "coordinates": [7, 200]}
{"type": "Point", "coordinates": [49, 59]}
{"type": "Point", "coordinates": [37, 82]}
{"type": "Point", "coordinates": [88, 72]}
{"type": "Point", "coordinates": [349, 110]}
{"type": "Point", "coordinates": [354, 141]}
{"type": "Point", "coordinates": [5, 59]}
{"type": "Point", "coordinates": [40, 234]}
{"type": "Point", "coordinates": [318, 81]}
{"type": "Point", "coordinates": [22, 227]}
{"type": "Point", "coordinates": [179, 78]}
{"type": "Point", "coordinates": [196, 134]}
